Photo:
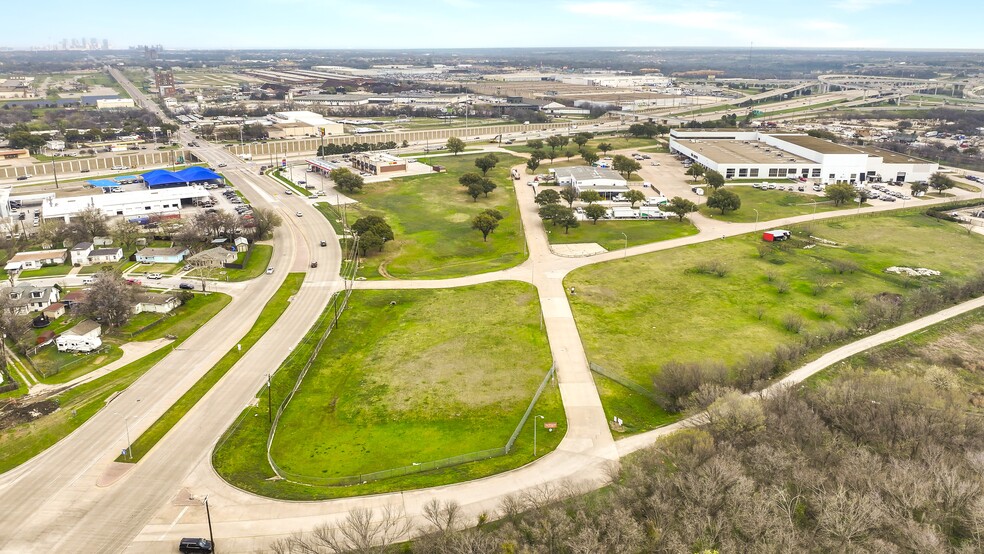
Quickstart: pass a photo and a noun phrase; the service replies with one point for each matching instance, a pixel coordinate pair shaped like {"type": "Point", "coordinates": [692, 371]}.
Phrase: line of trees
{"type": "Point", "coordinates": [336, 149]}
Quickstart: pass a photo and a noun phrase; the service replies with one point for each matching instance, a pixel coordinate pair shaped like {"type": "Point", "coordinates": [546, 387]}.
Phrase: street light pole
{"type": "Point", "coordinates": [269, 399]}
{"type": "Point", "coordinates": [625, 248]}
{"type": "Point", "coordinates": [536, 417]}
{"type": "Point", "coordinates": [208, 515]}
{"type": "Point", "coordinates": [756, 219]}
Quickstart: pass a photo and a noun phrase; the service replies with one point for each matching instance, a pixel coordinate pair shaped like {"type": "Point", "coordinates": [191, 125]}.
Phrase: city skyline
{"type": "Point", "coordinates": [438, 24]}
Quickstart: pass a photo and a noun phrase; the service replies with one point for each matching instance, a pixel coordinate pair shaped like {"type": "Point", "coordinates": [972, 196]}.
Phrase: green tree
{"type": "Point", "coordinates": [595, 212]}
{"type": "Point", "coordinates": [555, 142]}
{"type": "Point", "coordinates": [375, 224]}
{"type": "Point", "coordinates": [548, 212]}
{"type": "Point", "coordinates": [485, 223]}
{"type": "Point", "coordinates": [475, 190]}
{"type": "Point", "coordinates": [635, 196]}
{"type": "Point", "coordinates": [714, 179]}
{"type": "Point", "coordinates": [370, 241]}
{"type": "Point", "coordinates": [469, 178]}
{"type": "Point", "coordinates": [589, 156]}
{"type": "Point", "coordinates": [581, 139]}
{"type": "Point", "coordinates": [566, 219]}
{"type": "Point", "coordinates": [346, 180]}
{"type": "Point", "coordinates": [487, 186]}
{"type": "Point", "coordinates": [547, 196]}
{"type": "Point", "coordinates": [535, 144]}
{"type": "Point", "coordinates": [486, 162]}
{"type": "Point", "coordinates": [605, 147]}
{"type": "Point", "coordinates": [681, 207]}
{"type": "Point", "coordinates": [662, 130]}
{"type": "Point", "coordinates": [625, 165]}
{"type": "Point", "coordinates": [25, 140]}
{"type": "Point", "coordinates": [569, 152]}
{"type": "Point", "coordinates": [840, 193]}
{"type": "Point", "coordinates": [919, 188]}
{"type": "Point", "coordinates": [569, 194]}
{"type": "Point", "coordinates": [724, 200]}
{"type": "Point", "coordinates": [532, 164]}
{"type": "Point", "coordinates": [589, 196]}
{"type": "Point", "coordinates": [696, 171]}
{"type": "Point", "coordinates": [455, 145]}
{"type": "Point", "coordinates": [940, 182]}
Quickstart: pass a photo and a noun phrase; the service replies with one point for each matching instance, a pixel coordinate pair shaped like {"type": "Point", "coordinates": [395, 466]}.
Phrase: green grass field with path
{"type": "Point", "coordinates": [771, 204]}
{"type": "Point", "coordinates": [439, 373]}
{"type": "Point", "coordinates": [431, 219]}
{"type": "Point", "coordinates": [636, 314]}
{"type": "Point", "coordinates": [608, 233]}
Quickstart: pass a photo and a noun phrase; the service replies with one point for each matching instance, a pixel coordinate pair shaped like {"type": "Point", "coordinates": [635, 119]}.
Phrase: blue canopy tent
{"type": "Point", "coordinates": [189, 176]}
{"type": "Point", "coordinates": [103, 183]}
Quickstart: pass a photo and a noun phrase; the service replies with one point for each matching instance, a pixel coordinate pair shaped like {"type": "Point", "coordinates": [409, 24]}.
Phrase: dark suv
{"type": "Point", "coordinates": [195, 545]}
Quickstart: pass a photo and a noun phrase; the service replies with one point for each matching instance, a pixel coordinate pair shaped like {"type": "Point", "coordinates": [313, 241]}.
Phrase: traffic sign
{"type": "Point", "coordinates": [550, 425]}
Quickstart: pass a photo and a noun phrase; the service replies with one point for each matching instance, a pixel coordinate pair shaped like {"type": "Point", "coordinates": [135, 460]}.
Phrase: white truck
{"type": "Point", "coordinates": [652, 212]}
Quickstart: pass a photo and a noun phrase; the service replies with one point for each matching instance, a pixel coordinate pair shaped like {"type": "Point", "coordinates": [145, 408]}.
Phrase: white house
{"type": "Point", "coordinates": [241, 243]}
{"type": "Point", "coordinates": [80, 253]}
{"type": "Point", "coordinates": [606, 182]}
{"type": "Point", "coordinates": [26, 298]}
{"type": "Point", "coordinates": [84, 337]}
{"type": "Point", "coordinates": [35, 259]}
{"type": "Point", "coordinates": [156, 303]}
{"type": "Point", "coordinates": [105, 255]}
{"type": "Point", "coordinates": [213, 257]}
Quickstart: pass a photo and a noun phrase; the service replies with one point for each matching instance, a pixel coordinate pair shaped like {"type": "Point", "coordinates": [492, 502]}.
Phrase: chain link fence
{"type": "Point", "coordinates": [621, 380]}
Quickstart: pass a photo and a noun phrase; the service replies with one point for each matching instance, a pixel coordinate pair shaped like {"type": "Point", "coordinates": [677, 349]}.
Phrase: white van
{"type": "Point", "coordinates": [88, 280]}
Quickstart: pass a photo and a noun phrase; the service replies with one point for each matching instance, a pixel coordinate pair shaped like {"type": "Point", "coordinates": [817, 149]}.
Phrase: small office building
{"type": "Point", "coordinates": [606, 182]}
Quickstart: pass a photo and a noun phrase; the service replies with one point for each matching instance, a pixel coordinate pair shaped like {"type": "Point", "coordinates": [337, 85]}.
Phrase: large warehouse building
{"type": "Point", "coordinates": [166, 201]}
{"type": "Point", "coordinates": [740, 154]}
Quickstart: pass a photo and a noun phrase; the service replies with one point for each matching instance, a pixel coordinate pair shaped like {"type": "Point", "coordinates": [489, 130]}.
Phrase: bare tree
{"type": "Point", "coordinates": [110, 299]}
{"type": "Point", "coordinates": [126, 233]}
{"type": "Point", "coordinates": [88, 223]}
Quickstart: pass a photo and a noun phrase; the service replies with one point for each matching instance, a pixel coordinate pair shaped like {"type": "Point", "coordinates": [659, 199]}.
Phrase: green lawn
{"type": "Point", "coordinates": [185, 318]}
{"type": "Point", "coordinates": [77, 405]}
{"type": "Point", "coordinates": [431, 218]}
{"type": "Point", "coordinates": [279, 176]}
{"type": "Point", "coordinates": [772, 204]}
{"type": "Point", "coordinates": [47, 271]}
{"type": "Point", "coordinates": [120, 266]}
{"type": "Point", "coordinates": [166, 269]}
{"type": "Point", "coordinates": [545, 166]}
{"type": "Point", "coordinates": [637, 314]}
{"type": "Point", "coordinates": [440, 373]}
{"type": "Point", "coordinates": [608, 233]}
{"type": "Point", "coordinates": [433, 151]}
{"type": "Point", "coordinates": [268, 316]}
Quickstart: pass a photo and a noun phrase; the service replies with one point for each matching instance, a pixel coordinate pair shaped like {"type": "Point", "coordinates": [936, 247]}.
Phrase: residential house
{"type": "Point", "coordinates": [80, 253]}
{"type": "Point", "coordinates": [156, 303]}
{"type": "Point", "coordinates": [35, 259]}
{"type": "Point", "coordinates": [105, 255]}
{"type": "Point", "coordinates": [213, 257]}
{"type": "Point", "coordinates": [74, 298]}
{"type": "Point", "coordinates": [241, 243]}
{"type": "Point", "coordinates": [172, 255]}
{"type": "Point", "coordinates": [27, 298]}
{"type": "Point", "coordinates": [83, 337]}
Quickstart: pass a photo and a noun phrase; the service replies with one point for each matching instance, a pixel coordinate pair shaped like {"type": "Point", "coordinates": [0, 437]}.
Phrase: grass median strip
{"type": "Point", "coordinates": [268, 316]}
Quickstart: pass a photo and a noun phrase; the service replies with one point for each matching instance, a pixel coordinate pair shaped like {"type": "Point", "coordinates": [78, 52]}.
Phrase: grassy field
{"type": "Point", "coordinates": [632, 325]}
{"type": "Point", "coordinates": [545, 166]}
{"type": "Point", "coordinates": [183, 320]}
{"type": "Point", "coordinates": [268, 316]}
{"type": "Point", "coordinates": [431, 218]}
{"type": "Point", "coordinates": [773, 204]}
{"type": "Point", "coordinates": [19, 444]}
{"type": "Point", "coordinates": [608, 233]}
{"type": "Point", "coordinates": [439, 373]}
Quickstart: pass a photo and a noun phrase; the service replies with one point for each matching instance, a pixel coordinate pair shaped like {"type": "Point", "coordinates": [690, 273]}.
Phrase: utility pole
{"type": "Point", "coordinates": [208, 515]}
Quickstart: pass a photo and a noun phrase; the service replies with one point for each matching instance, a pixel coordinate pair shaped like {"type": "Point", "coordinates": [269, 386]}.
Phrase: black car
{"type": "Point", "coordinates": [195, 545]}
{"type": "Point", "coordinates": [186, 286]}
{"type": "Point", "coordinates": [22, 178]}
{"type": "Point", "coordinates": [324, 243]}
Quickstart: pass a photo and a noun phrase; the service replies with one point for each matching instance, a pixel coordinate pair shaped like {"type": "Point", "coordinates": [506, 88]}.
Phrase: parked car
{"type": "Point", "coordinates": [186, 286]}
{"type": "Point", "coordinates": [195, 545]}
{"type": "Point", "coordinates": [155, 276]}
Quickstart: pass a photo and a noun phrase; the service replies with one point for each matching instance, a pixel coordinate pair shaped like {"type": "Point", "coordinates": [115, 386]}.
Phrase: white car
{"type": "Point", "coordinates": [120, 168]}
{"type": "Point", "coordinates": [299, 214]}
{"type": "Point", "coordinates": [269, 270]}
{"type": "Point", "coordinates": [222, 165]}
{"type": "Point", "coordinates": [154, 276]}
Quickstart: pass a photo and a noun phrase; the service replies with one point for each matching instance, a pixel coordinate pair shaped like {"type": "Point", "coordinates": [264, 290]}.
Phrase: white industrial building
{"type": "Point", "coordinates": [114, 103]}
{"type": "Point", "coordinates": [318, 122]}
{"type": "Point", "coordinates": [164, 201]}
{"type": "Point", "coordinates": [755, 155]}
{"type": "Point", "coordinates": [606, 182]}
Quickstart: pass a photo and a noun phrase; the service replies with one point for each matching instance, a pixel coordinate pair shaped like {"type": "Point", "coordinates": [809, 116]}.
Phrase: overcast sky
{"type": "Point", "coordinates": [330, 24]}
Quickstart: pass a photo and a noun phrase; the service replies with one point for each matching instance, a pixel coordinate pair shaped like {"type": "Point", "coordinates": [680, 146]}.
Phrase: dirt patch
{"type": "Point", "coordinates": [19, 411]}
{"type": "Point", "coordinates": [458, 218]}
